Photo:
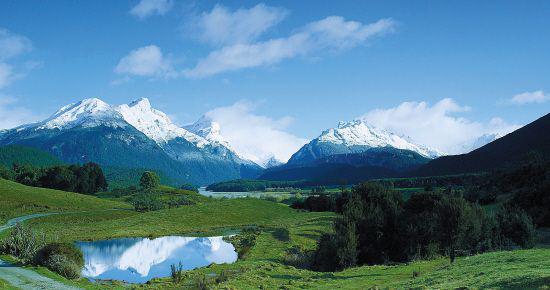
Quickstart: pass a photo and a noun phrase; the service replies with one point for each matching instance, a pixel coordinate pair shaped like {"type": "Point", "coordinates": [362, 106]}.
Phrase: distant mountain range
{"type": "Point", "coordinates": [135, 136]}
{"type": "Point", "coordinates": [132, 136]}
{"type": "Point", "coordinates": [353, 151]}
{"type": "Point", "coordinates": [530, 141]}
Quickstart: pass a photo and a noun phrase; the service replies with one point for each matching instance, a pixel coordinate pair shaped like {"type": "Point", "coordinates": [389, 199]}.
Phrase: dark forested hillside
{"type": "Point", "coordinates": [530, 141]}
{"type": "Point", "coordinates": [15, 154]}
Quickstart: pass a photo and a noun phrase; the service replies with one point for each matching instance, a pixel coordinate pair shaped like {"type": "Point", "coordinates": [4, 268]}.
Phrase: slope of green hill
{"type": "Point", "coordinates": [508, 150]}
{"type": "Point", "coordinates": [26, 155]}
{"type": "Point", "coordinates": [17, 200]}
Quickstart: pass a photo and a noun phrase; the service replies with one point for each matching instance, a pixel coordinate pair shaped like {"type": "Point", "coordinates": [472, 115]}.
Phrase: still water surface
{"type": "Point", "coordinates": [138, 260]}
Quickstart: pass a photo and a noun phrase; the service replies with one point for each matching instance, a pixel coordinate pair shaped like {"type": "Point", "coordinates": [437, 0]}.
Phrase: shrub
{"type": "Point", "coordinates": [298, 257]}
{"type": "Point", "coordinates": [244, 241]}
{"type": "Point", "coordinates": [180, 201]}
{"type": "Point", "coordinates": [282, 234]}
{"type": "Point", "coordinates": [516, 226]}
{"type": "Point", "coordinates": [201, 282]}
{"type": "Point", "coordinates": [63, 266]}
{"type": "Point", "coordinates": [68, 250]}
{"type": "Point", "coordinates": [176, 272]}
{"type": "Point", "coordinates": [223, 277]}
{"type": "Point", "coordinates": [63, 258]}
{"type": "Point", "coordinates": [147, 202]}
{"type": "Point", "coordinates": [22, 243]}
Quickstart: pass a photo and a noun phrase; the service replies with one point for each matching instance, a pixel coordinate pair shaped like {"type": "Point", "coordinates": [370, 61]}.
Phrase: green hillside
{"type": "Point", "coordinates": [17, 200]}
{"type": "Point", "coordinates": [26, 155]}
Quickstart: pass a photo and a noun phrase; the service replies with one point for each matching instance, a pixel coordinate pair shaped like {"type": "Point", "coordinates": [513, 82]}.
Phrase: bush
{"type": "Point", "coordinates": [298, 257]}
{"type": "Point", "coordinates": [516, 226]}
{"type": "Point", "coordinates": [223, 277]}
{"type": "Point", "coordinates": [67, 250]}
{"type": "Point", "coordinates": [22, 243]}
{"type": "Point", "coordinates": [244, 241]}
{"type": "Point", "coordinates": [143, 202]}
{"type": "Point", "coordinates": [282, 234]}
{"type": "Point", "coordinates": [176, 272]}
{"type": "Point", "coordinates": [63, 258]}
{"type": "Point", "coordinates": [63, 266]}
{"type": "Point", "coordinates": [201, 282]}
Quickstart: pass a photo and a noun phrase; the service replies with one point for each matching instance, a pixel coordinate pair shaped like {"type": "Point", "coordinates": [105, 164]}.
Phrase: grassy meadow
{"type": "Point", "coordinates": [92, 218]}
{"type": "Point", "coordinates": [18, 200]}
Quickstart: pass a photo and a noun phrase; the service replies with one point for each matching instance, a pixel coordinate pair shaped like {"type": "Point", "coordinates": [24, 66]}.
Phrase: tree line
{"type": "Point", "coordinates": [87, 178]}
{"type": "Point", "coordinates": [377, 226]}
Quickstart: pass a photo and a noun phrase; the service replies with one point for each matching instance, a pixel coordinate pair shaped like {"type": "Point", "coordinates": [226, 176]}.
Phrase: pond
{"type": "Point", "coordinates": [138, 260]}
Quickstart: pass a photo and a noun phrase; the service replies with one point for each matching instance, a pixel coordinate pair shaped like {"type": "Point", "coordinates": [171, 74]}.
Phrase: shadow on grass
{"type": "Point", "coordinates": [521, 283]}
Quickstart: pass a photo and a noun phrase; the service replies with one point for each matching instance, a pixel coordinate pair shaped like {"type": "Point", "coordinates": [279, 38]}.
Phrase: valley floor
{"type": "Point", "coordinates": [264, 267]}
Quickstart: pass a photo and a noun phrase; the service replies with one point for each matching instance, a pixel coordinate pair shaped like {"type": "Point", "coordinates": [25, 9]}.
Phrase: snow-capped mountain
{"type": "Point", "coordinates": [355, 137]}
{"type": "Point", "coordinates": [156, 124]}
{"type": "Point", "coordinates": [209, 130]}
{"type": "Point", "coordinates": [133, 136]}
{"type": "Point", "coordinates": [271, 162]}
{"type": "Point", "coordinates": [480, 142]}
{"type": "Point", "coordinates": [87, 113]}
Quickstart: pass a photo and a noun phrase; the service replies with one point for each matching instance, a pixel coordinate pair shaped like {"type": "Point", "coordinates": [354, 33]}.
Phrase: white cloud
{"type": "Point", "coordinates": [222, 26]}
{"type": "Point", "coordinates": [253, 136]}
{"type": "Point", "coordinates": [146, 8]}
{"type": "Point", "coordinates": [6, 74]}
{"type": "Point", "coordinates": [435, 125]}
{"type": "Point", "coordinates": [147, 61]}
{"type": "Point", "coordinates": [12, 115]}
{"type": "Point", "coordinates": [530, 97]}
{"type": "Point", "coordinates": [333, 33]}
{"type": "Point", "coordinates": [11, 46]}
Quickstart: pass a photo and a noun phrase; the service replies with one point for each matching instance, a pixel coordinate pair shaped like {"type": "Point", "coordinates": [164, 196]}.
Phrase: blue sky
{"type": "Point", "coordinates": [295, 67]}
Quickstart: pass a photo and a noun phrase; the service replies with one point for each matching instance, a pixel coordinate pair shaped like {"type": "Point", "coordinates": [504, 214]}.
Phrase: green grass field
{"type": "Point", "coordinates": [264, 267]}
{"type": "Point", "coordinates": [18, 200]}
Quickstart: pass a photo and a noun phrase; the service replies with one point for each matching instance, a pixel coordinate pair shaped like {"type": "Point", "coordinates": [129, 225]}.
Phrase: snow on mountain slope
{"type": "Point", "coordinates": [271, 162]}
{"type": "Point", "coordinates": [359, 133]}
{"type": "Point", "coordinates": [156, 124]}
{"type": "Point", "coordinates": [209, 130]}
{"type": "Point", "coordinates": [480, 142]}
{"type": "Point", "coordinates": [88, 113]}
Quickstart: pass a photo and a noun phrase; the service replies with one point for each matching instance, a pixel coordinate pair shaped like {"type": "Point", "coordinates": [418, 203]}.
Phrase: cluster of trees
{"type": "Point", "coordinates": [87, 178]}
{"type": "Point", "coordinates": [321, 202]}
{"type": "Point", "coordinates": [150, 197]}
{"type": "Point", "coordinates": [377, 226]}
{"type": "Point", "coordinates": [242, 185]}
{"type": "Point", "coordinates": [458, 180]}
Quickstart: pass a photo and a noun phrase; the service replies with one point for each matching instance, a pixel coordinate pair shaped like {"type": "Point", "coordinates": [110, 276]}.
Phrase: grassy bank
{"type": "Point", "coordinates": [18, 200]}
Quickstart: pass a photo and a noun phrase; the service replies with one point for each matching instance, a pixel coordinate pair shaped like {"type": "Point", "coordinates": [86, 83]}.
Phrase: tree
{"type": "Point", "coordinates": [59, 177]}
{"type": "Point", "coordinates": [149, 180]}
{"type": "Point", "coordinates": [5, 173]}
{"type": "Point", "coordinates": [26, 174]}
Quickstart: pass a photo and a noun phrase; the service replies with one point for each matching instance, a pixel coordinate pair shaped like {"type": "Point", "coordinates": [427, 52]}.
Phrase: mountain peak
{"type": "Point", "coordinates": [359, 133]}
{"type": "Point", "coordinates": [87, 112]}
{"type": "Point", "coordinates": [142, 103]}
{"type": "Point", "coordinates": [155, 124]}
{"type": "Point", "coordinates": [208, 129]}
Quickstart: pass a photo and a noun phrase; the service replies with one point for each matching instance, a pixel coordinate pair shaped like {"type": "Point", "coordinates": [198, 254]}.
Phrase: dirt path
{"type": "Point", "coordinates": [24, 278]}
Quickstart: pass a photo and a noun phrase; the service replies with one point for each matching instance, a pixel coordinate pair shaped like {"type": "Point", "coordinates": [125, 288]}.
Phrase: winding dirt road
{"type": "Point", "coordinates": [26, 279]}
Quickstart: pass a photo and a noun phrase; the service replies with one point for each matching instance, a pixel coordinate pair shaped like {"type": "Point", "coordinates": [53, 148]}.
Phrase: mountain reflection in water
{"type": "Point", "coordinates": [138, 260]}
